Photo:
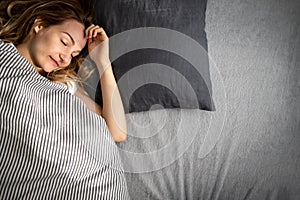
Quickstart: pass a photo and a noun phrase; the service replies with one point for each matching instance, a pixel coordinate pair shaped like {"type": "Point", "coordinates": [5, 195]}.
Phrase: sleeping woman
{"type": "Point", "coordinates": [55, 140]}
{"type": "Point", "coordinates": [53, 45]}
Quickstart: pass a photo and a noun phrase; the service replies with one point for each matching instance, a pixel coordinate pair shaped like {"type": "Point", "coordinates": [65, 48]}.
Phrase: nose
{"type": "Point", "coordinates": [65, 58]}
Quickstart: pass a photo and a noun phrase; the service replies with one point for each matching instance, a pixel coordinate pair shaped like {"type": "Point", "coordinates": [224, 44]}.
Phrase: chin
{"type": "Point", "coordinates": [48, 69]}
{"type": "Point", "coordinates": [42, 69]}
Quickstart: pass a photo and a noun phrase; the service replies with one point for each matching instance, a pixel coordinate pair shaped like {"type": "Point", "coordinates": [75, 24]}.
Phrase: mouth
{"type": "Point", "coordinates": [54, 62]}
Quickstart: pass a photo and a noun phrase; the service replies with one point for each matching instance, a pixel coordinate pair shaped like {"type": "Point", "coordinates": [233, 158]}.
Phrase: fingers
{"type": "Point", "coordinates": [95, 30]}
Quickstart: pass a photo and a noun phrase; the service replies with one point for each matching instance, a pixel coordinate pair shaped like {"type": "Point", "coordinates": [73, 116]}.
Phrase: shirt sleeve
{"type": "Point", "coordinates": [72, 87]}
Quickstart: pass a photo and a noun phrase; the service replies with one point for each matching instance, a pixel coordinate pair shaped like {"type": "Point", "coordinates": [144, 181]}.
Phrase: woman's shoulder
{"type": "Point", "coordinates": [12, 64]}
{"type": "Point", "coordinates": [72, 87]}
{"type": "Point", "coordinates": [7, 47]}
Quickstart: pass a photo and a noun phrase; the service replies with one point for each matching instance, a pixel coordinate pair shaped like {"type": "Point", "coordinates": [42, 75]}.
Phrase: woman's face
{"type": "Point", "coordinates": [53, 47]}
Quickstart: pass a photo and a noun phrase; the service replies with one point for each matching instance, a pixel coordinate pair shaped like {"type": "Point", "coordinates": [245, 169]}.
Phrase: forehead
{"type": "Point", "coordinates": [75, 29]}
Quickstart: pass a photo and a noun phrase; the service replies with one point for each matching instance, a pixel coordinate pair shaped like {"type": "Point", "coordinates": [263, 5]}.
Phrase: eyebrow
{"type": "Point", "coordinates": [73, 42]}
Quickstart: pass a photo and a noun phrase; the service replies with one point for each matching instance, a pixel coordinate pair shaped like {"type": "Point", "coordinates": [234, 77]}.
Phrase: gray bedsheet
{"type": "Point", "coordinates": [250, 147]}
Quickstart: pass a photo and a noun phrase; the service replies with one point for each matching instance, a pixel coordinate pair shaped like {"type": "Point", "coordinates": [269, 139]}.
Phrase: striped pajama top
{"type": "Point", "coordinates": [52, 146]}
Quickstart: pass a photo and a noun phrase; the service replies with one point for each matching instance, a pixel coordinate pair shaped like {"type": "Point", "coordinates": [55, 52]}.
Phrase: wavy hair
{"type": "Point", "coordinates": [17, 19]}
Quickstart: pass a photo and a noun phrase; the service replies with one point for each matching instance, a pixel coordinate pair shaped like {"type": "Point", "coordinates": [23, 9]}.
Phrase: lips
{"type": "Point", "coordinates": [54, 62]}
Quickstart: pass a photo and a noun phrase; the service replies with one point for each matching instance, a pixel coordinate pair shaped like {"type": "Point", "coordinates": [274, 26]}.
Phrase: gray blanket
{"type": "Point", "coordinates": [250, 147]}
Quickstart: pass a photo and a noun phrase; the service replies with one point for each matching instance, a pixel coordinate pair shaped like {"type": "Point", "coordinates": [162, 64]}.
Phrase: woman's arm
{"type": "Point", "coordinates": [119, 132]}
{"type": "Point", "coordinates": [112, 111]}
{"type": "Point", "coordinates": [90, 104]}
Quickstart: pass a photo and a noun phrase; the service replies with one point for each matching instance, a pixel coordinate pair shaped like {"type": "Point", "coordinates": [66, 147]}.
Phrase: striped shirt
{"type": "Point", "coordinates": [52, 146]}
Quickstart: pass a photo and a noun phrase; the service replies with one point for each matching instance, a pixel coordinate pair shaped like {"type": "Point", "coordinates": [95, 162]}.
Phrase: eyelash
{"type": "Point", "coordinates": [63, 42]}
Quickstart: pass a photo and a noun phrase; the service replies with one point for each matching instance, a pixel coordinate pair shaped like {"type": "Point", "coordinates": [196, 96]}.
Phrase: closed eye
{"type": "Point", "coordinates": [74, 55]}
{"type": "Point", "coordinates": [65, 44]}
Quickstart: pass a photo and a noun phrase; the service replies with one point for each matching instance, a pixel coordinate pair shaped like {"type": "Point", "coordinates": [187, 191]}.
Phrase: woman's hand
{"type": "Point", "coordinates": [98, 47]}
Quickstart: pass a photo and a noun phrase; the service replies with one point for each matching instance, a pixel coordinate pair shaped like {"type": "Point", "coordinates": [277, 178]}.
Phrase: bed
{"type": "Point", "coordinates": [249, 146]}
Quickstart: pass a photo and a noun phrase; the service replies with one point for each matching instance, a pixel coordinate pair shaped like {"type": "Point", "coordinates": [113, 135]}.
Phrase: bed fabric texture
{"type": "Point", "coordinates": [254, 46]}
{"type": "Point", "coordinates": [155, 89]}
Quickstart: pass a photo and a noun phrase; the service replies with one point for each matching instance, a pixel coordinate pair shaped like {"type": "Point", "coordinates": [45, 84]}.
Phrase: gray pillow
{"type": "Point", "coordinates": [152, 78]}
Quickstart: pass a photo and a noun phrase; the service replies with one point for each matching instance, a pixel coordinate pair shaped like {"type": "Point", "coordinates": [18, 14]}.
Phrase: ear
{"type": "Point", "coordinates": [37, 25]}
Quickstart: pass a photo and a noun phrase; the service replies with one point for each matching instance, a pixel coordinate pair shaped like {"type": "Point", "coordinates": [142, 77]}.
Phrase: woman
{"type": "Point", "coordinates": [61, 50]}
{"type": "Point", "coordinates": [59, 147]}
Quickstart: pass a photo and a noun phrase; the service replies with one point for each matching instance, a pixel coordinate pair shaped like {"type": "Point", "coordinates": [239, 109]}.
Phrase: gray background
{"type": "Point", "coordinates": [256, 46]}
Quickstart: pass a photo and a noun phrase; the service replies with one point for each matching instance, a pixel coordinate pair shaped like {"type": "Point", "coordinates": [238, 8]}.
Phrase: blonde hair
{"type": "Point", "coordinates": [17, 19]}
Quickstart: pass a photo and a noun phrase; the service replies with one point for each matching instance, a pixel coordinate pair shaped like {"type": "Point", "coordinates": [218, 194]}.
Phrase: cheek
{"type": "Point", "coordinates": [55, 49]}
{"type": "Point", "coordinates": [48, 44]}
{"type": "Point", "coordinates": [52, 45]}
